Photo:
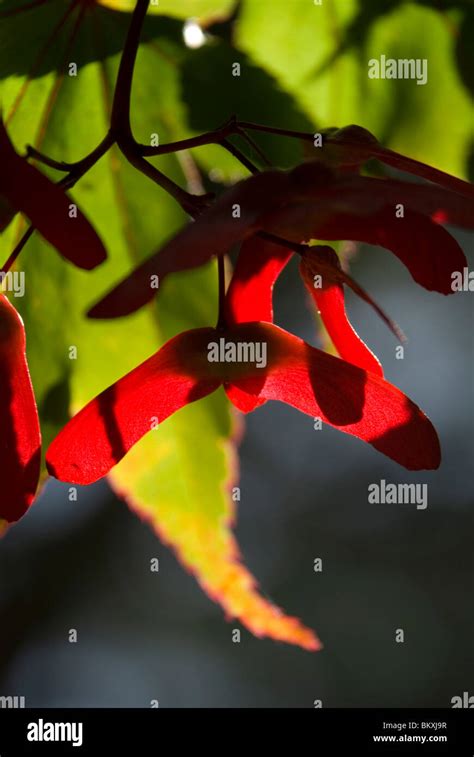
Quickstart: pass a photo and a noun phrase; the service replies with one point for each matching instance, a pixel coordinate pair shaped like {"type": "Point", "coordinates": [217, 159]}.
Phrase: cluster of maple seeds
{"type": "Point", "coordinates": [281, 211]}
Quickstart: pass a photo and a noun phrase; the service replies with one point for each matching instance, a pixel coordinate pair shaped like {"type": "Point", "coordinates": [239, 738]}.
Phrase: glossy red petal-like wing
{"type": "Point", "coordinates": [250, 293]}
{"type": "Point", "coordinates": [329, 300]}
{"type": "Point", "coordinates": [342, 395]}
{"type": "Point", "coordinates": [99, 436]}
{"type": "Point", "coordinates": [429, 252]}
{"type": "Point", "coordinates": [48, 208]}
{"type": "Point", "coordinates": [241, 400]}
{"type": "Point", "coordinates": [250, 296]}
{"type": "Point", "coordinates": [20, 439]}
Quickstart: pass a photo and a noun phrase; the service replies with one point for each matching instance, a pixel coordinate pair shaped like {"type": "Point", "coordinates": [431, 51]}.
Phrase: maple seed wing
{"type": "Point", "coordinates": [99, 436]}
{"type": "Point", "coordinates": [344, 396]}
{"type": "Point", "coordinates": [233, 217]}
{"type": "Point", "coordinates": [48, 208]}
{"type": "Point", "coordinates": [19, 425]}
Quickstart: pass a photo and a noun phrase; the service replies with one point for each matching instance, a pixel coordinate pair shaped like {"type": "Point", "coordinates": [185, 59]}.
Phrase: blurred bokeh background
{"type": "Point", "coordinates": [85, 565]}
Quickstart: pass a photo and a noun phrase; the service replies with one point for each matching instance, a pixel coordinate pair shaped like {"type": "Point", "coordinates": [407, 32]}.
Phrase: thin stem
{"type": "Point", "coordinates": [215, 136]}
{"type": "Point", "coordinates": [181, 144]}
{"type": "Point", "coordinates": [255, 147]}
{"type": "Point", "coordinates": [84, 165]}
{"type": "Point", "coordinates": [79, 167]}
{"type": "Point", "coordinates": [221, 321]}
{"type": "Point", "coordinates": [18, 248]}
{"type": "Point", "coordinates": [58, 165]}
{"type": "Point", "coordinates": [191, 204]}
{"type": "Point", "coordinates": [209, 137]}
{"type": "Point", "coordinates": [275, 130]}
{"type": "Point", "coordinates": [239, 155]}
{"type": "Point", "coordinates": [300, 249]}
{"type": "Point", "coordinates": [357, 289]}
{"type": "Point", "coordinates": [120, 118]}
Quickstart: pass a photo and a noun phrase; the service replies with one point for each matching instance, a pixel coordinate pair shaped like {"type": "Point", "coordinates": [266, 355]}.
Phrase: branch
{"type": "Point", "coordinates": [239, 155]}
{"type": "Point", "coordinates": [215, 136]}
{"type": "Point", "coordinates": [255, 147]}
{"type": "Point", "coordinates": [18, 248]}
{"type": "Point", "coordinates": [191, 204]}
{"type": "Point", "coordinates": [275, 130]}
{"type": "Point", "coordinates": [79, 167]}
{"type": "Point", "coordinates": [120, 119]}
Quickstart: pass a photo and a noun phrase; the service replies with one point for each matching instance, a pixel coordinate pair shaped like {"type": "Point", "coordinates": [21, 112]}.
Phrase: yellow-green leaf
{"type": "Point", "coordinates": [187, 515]}
{"type": "Point", "coordinates": [201, 9]}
